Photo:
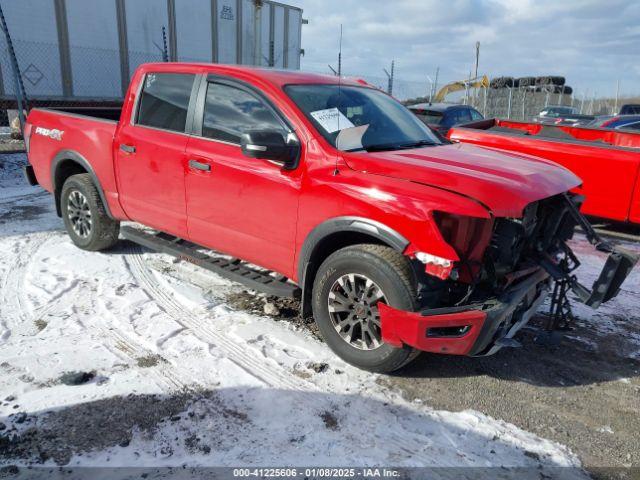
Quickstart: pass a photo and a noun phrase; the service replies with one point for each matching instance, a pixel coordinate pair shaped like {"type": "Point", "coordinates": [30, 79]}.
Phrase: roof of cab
{"type": "Point", "coordinates": [277, 77]}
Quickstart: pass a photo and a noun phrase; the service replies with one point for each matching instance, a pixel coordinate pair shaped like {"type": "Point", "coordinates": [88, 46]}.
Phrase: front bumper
{"type": "Point", "coordinates": [475, 330]}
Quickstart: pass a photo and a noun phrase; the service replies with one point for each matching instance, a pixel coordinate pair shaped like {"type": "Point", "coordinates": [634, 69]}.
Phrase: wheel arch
{"type": "Point", "coordinates": [67, 163]}
{"type": "Point", "coordinates": [334, 234]}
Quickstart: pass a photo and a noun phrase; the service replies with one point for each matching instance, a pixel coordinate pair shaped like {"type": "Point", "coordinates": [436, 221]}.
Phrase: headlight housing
{"type": "Point", "coordinates": [469, 237]}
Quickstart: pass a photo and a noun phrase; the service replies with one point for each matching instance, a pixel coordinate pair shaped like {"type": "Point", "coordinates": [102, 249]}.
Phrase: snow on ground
{"type": "Point", "coordinates": [174, 376]}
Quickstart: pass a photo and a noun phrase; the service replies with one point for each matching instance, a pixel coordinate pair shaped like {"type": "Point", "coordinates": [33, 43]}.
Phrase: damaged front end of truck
{"type": "Point", "coordinates": [507, 268]}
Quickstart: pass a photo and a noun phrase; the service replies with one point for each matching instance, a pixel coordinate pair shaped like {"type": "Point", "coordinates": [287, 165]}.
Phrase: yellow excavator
{"type": "Point", "coordinates": [478, 82]}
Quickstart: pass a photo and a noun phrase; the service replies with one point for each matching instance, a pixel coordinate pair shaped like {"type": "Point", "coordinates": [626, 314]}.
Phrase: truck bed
{"type": "Point", "coordinates": [84, 134]}
{"type": "Point", "coordinates": [102, 113]}
{"type": "Point", "coordinates": [607, 161]}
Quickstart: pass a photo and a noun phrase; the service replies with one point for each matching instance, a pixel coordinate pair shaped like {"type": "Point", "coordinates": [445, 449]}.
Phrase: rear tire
{"type": "Point", "coordinates": [84, 215]}
{"type": "Point", "coordinates": [346, 289]}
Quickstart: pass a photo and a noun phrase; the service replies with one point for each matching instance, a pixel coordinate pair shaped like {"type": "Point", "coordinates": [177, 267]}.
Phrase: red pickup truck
{"type": "Point", "coordinates": [395, 240]}
{"type": "Point", "coordinates": [607, 161]}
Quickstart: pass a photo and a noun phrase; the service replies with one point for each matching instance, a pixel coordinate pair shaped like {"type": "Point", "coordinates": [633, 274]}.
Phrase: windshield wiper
{"type": "Point", "coordinates": [398, 146]}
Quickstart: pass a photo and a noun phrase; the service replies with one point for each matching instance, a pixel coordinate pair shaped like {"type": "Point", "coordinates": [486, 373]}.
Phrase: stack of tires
{"type": "Point", "coordinates": [547, 83]}
{"type": "Point", "coordinates": [549, 80]}
{"type": "Point", "coordinates": [526, 82]}
{"type": "Point", "coordinates": [502, 82]}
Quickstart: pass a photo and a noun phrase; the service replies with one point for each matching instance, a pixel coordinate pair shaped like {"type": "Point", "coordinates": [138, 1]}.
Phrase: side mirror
{"type": "Point", "coordinates": [270, 145]}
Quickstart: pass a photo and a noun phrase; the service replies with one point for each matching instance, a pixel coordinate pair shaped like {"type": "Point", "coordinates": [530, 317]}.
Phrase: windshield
{"type": "Point", "coordinates": [360, 118]}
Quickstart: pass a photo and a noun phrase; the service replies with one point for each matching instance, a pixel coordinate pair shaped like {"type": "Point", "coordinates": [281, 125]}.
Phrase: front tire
{"type": "Point", "coordinates": [84, 215]}
{"type": "Point", "coordinates": [346, 290]}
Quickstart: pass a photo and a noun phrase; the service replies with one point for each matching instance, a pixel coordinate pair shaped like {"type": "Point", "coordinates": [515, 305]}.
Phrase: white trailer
{"type": "Point", "coordinates": [85, 51]}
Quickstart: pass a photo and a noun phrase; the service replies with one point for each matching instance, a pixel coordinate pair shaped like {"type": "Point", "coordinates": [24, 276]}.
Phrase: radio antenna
{"type": "Point", "coordinates": [336, 171]}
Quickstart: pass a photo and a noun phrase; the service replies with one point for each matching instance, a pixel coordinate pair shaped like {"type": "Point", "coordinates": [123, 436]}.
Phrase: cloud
{"type": "Point", "coordinates": [592, 43]}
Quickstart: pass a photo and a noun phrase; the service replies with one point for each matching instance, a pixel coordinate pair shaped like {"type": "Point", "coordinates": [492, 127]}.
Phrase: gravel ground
{"type": "Point", "coordinates": [588, 400]}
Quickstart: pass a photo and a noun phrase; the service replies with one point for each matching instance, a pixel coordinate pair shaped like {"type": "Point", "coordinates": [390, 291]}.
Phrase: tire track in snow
{"type": "Point", "coordinates": [272, 374]}
{"type": "Point", "coordinates": [13, 304]}
{"type": "Point", "coordinates": [23, 196]}
{"type": "Point", "coordinates": [164, 374]}
{"type": "Point", "coordinates": [204, 330]}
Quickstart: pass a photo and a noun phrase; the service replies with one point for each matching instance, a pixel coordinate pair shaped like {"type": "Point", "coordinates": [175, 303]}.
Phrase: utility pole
{"type": "Point", "coordinates": [435, 85]}
{"type": "Point", "coordinates": [390, 78]}
{"type": "Point", "coordinates": [475, 96]}
{"type": "Point", "coordinates": [615, 107]}
{"type": "Point", "coordinates": [466, 92]}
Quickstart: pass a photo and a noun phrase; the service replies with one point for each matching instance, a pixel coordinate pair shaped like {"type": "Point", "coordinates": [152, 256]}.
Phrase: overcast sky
{"type": "Point", "coordinates": [592, 43]}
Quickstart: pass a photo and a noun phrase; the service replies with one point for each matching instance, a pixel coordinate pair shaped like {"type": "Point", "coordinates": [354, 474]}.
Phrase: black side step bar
{"type": "Point", "coordinates": [233, 269]}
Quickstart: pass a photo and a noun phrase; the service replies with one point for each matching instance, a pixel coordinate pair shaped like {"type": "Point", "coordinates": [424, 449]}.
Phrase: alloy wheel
{"type": "Point", "coordinates": [353, 310]}
{"type": "Point", "coordinates": [79, 213]}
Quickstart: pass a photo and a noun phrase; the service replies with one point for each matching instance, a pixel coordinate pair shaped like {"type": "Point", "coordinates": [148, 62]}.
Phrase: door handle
{"type": "Point", "coordinates": [205, 167]}
{"type": "Point", "coordinates": [127, 148]}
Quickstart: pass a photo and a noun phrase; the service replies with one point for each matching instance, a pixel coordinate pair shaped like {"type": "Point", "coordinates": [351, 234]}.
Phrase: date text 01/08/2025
{"type": "Point", "coordinates": [316, 472]}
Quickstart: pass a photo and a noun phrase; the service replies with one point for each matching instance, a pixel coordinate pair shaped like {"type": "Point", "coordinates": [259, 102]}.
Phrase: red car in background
{"type": "Point", "coordinates": [607, 161]}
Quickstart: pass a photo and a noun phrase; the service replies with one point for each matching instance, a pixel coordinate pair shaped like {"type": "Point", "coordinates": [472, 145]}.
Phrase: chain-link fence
{"type": "Point", "coordinates": [516, 103]}
{"type": "Point", "coordinates": [525, 103]}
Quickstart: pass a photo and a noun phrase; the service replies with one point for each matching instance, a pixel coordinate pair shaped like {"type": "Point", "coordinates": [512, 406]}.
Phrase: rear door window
{"type": "Point", "coordinates": [229, 112]}
{"type": "Point", "coordinates": [164, 101]}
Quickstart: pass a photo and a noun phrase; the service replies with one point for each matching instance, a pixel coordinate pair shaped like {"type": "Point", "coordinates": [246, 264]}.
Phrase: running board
{"type": "Point", "coordinates": [233, 269]}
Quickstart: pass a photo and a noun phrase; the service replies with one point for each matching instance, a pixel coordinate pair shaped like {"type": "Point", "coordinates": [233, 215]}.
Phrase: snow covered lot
{"type": "Point", "coordinates": [128, 358]}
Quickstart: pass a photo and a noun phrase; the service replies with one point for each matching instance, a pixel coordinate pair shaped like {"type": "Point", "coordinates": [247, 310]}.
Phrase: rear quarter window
{"type": "Point", "coordinates": [164, 101]}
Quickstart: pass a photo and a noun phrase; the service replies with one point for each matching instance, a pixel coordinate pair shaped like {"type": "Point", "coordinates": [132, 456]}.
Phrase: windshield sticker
{"type": "Point", "coordinates": [332, 119]}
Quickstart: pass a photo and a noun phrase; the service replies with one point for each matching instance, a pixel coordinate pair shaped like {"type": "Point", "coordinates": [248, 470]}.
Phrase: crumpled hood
{"type": "Point", "coordinates": [503, 182]}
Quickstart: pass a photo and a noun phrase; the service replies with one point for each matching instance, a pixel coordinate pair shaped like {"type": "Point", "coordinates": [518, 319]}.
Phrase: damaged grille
{"type": "Point", "coordinates": [517, 243]}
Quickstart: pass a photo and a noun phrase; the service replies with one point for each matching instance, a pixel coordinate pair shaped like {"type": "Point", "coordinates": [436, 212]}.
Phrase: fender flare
{"type": "Point", "coordinates": [334, 225]}
{"type": "Point", "coordinates": [65, 155]}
